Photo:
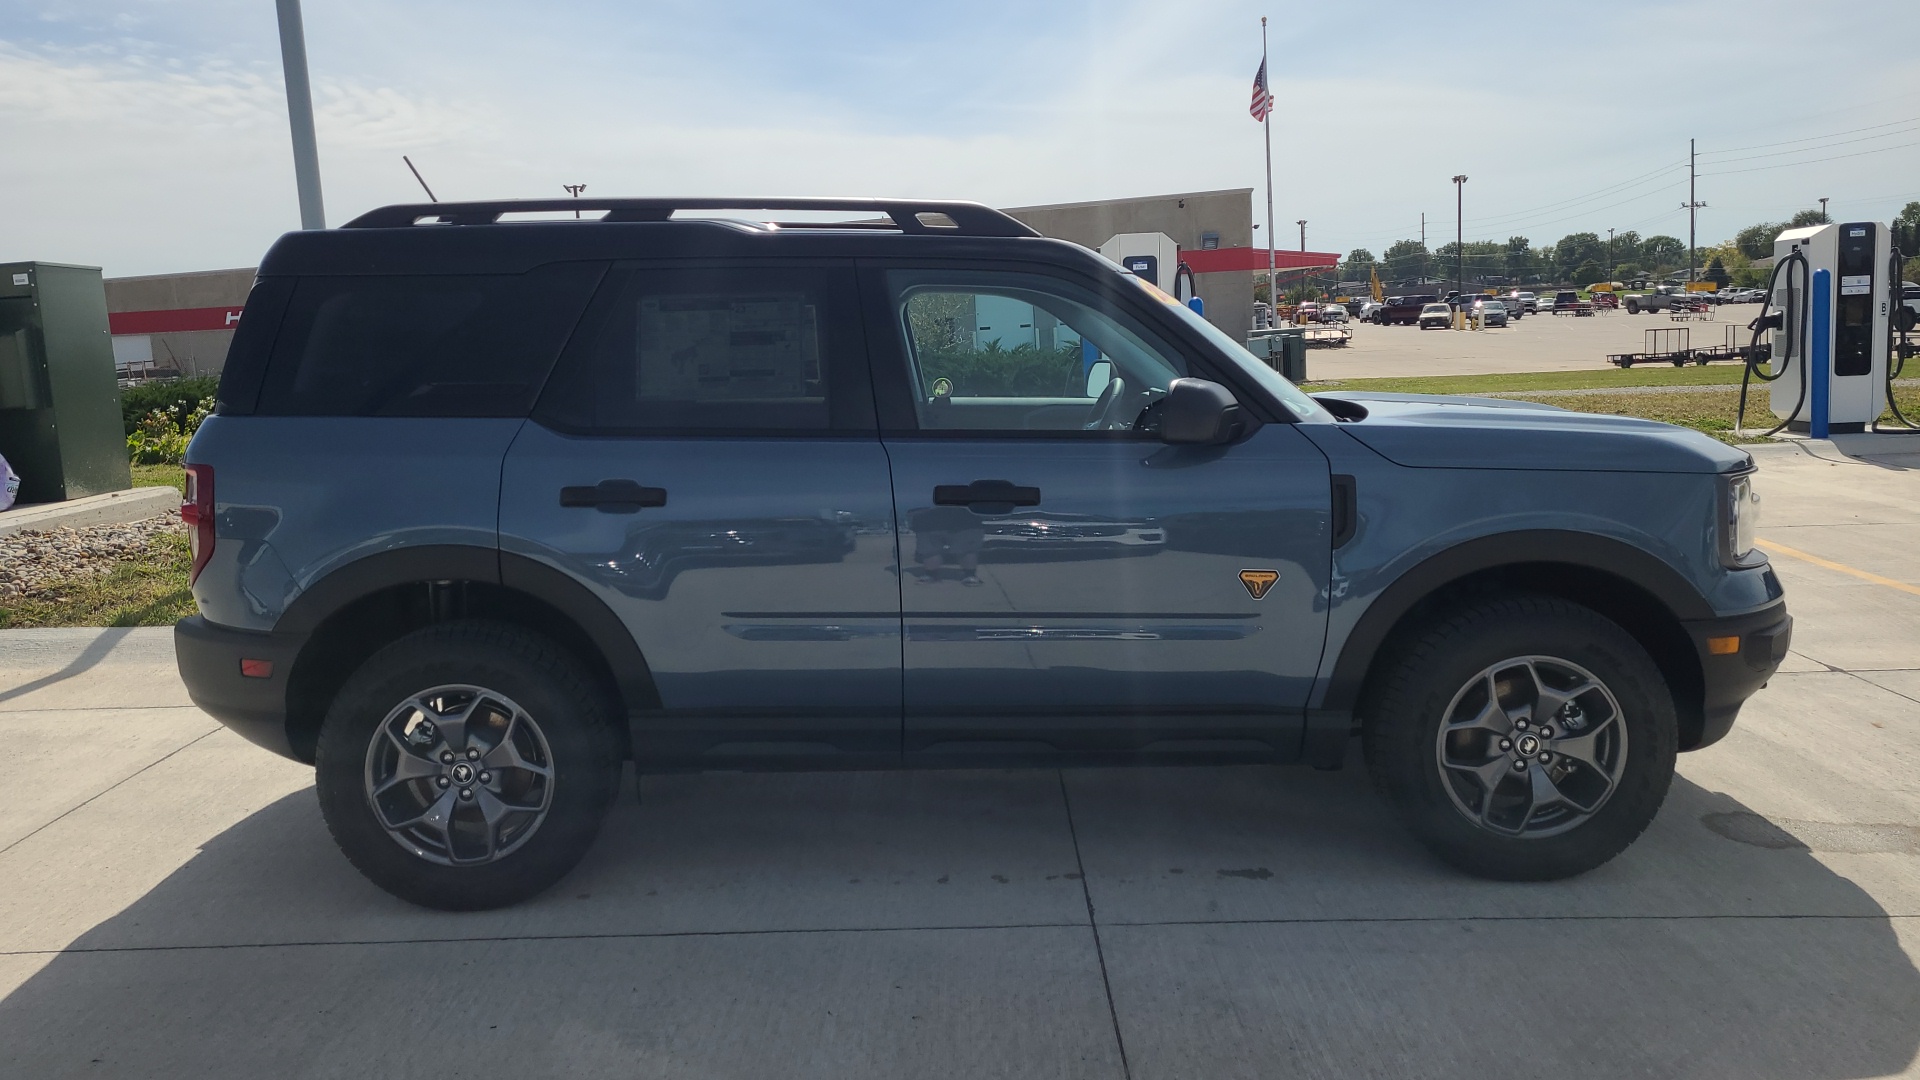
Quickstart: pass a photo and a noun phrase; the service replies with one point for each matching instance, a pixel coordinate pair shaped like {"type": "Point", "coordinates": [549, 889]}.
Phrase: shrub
{"type": "Point", "coordinates": [176, 397]}
{"type": "Point", "coordinates": [160, 439]}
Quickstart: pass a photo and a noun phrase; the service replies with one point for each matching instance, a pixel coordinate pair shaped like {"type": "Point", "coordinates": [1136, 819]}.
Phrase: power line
{"type": "Point", "coordinates": [1611, 189]}
{"type": "Point", "coordinates": [1814, 138]}
{"type": "Point", "coordinates": [1822, 146]}
{"type": "Point", "coordinates": [1814, 161]}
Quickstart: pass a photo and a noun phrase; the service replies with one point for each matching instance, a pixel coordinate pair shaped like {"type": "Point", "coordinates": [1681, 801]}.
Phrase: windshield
{"type": "Point", "coordinates": [1295, 399]}
{"type": "Point", "coordinates": [1432, 309]}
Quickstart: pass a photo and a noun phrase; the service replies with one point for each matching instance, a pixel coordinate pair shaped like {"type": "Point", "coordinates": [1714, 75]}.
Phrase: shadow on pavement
{"type": "Point", "coordinates": [266, 954]}
{"type": "Point", "coordinates": [96, 651]}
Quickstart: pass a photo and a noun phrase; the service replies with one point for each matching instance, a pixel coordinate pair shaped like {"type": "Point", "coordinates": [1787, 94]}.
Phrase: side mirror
{"type": "Point", "coordinates": [1196, 412]}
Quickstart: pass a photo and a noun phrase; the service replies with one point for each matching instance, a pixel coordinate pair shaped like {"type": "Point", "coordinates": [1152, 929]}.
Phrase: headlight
{"type": "Point", "coordinates": [1742, 516]}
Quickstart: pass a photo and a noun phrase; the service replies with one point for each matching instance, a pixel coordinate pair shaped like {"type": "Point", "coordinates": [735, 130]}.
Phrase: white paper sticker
{"type": "Point", "coordinates": [1857, 279]}
{"type": "Point", "coordinates": [1855, 290]}
{"type": "Point", "coordinates": [22, 279]}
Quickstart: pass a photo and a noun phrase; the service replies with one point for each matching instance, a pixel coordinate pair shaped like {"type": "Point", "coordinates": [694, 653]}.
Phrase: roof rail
{"type": "Point", "coordinates": [909, 215]}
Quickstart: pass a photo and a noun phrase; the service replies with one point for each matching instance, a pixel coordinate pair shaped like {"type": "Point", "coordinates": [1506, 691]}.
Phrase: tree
{"type": "Point", "coordinates": [1756, 241]}
{"type": "Point", "coordinates": [1519, 259]}
{"type": "Point", "coordinates": [1663, 253]}
{"type": "Point", "coordinates": [1906, 230]}
{"type": "Point", "coordinates": [1807, 217]}
{"type": "Point", "coordinates": [1405, 260]}
{"type": "Point", "coordinates": [1356, 266]}
{"type": "Point", "coordinates": [1626, 247]}
{"type": "Point", "coordinates": [1583, 252]}
{"type": "Point", "coordinates": [1717, 273]}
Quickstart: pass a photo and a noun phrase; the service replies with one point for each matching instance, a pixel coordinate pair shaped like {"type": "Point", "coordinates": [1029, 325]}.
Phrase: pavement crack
{"type": "Point", "coordinates": [110, 787]}
{"type": "Point", "coordinates": [1099, 951]}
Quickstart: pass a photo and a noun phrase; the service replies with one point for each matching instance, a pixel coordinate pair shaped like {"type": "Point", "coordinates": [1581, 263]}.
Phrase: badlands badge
{"type": "Point", "coordinates": [1258, 581]}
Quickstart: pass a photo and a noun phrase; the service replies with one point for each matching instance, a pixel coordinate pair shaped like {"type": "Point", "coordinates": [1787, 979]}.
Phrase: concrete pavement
{"type": "Point", "coordinates": [171, 904]}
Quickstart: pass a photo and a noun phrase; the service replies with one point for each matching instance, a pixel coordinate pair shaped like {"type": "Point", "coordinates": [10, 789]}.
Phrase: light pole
{"type": "Point", "coordinates": [306, 152]}
{"type": "Point", "coordinates": [575, 190]}
{"type": "Point", "coordinates": [1459, 247]}
{"type": "Point", "coordinates": [1303, 233]}
{"type": "Point", "coordinates": [1824, 219]}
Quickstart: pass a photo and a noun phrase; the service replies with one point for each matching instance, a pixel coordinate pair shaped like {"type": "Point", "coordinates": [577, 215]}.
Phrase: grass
{"type": "Point", "coordinates": [150, 591]}
{"type": "Point", "coordinates": [172, 476]}
{"type": "Point", "coordinates": [1598, 378]}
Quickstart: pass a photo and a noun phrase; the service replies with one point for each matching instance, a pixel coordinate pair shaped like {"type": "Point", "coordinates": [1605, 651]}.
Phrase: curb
{"type": "Point", "coordinates": [111, 508]}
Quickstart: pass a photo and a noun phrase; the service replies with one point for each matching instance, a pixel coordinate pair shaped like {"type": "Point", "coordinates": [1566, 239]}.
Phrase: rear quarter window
{"type": "Point", "coordinates": [423, 345]}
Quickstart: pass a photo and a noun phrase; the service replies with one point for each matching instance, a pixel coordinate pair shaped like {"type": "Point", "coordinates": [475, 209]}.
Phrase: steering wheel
{"type": "Point", "coordinates": [1100, 417]}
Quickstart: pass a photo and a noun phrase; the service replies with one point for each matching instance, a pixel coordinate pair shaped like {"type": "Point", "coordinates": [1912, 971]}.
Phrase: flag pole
{"type": "Point", "coordinates": [1266, 127]}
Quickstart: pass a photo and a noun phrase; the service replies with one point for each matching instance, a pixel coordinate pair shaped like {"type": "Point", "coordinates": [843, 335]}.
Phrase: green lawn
{"type": "Point", "coordinates": [172, 476]}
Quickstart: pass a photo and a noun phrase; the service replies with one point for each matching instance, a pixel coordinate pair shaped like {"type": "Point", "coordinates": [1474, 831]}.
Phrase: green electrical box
{"type": "Point", "coordinates": [60, 424]}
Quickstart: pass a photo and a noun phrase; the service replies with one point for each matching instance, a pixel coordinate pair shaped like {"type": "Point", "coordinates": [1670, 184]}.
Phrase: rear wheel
{"type": "Point", "coordinates": [467, 765]}
{"type": "Point", "coordinates": [1524, 738]}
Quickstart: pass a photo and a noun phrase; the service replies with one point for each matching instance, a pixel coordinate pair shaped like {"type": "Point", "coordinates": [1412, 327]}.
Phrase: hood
{"type": "Point", "coordinates": [1430, 432]}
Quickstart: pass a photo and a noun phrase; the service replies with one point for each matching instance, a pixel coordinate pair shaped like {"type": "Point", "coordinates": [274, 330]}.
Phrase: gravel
{"type": "Point", "coordinates": [31, 562]}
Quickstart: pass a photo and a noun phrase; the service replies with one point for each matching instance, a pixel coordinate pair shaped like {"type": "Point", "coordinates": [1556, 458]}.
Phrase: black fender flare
{"type": "Point", "coordinates": [383, 570]}
{"type": "Point", "coordinates": [1589, 551]}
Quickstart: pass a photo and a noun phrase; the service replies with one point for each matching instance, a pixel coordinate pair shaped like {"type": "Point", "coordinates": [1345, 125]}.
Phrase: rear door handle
{"type": "Point", "coordinates": [986, 496]}
{"type": "Point", "coordinates": [614, 496]}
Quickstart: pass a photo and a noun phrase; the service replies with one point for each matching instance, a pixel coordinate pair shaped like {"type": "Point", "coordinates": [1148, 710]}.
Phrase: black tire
{"type": "Point", "coordinates": [575, 721]}
{"type": "Point", "coordinates": [1402, 737]}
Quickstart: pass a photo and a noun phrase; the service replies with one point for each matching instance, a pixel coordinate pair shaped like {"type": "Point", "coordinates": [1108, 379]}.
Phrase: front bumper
{"type": "Point", "coordinates": [210, 655]}
{"type": "Point", "coordinates": [1730, 678]}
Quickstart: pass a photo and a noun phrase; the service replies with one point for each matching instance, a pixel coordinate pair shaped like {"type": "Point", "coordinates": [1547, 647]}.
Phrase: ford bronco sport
{"type": "Point", "coordinates": [489, 507]}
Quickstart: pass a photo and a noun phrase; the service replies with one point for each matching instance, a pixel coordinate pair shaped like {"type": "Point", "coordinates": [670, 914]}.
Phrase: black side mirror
{"type": "Point", "coordinates": [1196, 412]}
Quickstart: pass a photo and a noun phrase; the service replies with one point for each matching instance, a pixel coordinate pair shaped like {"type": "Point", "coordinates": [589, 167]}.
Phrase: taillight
{"type": "Point", "coordinates": [197, 512]}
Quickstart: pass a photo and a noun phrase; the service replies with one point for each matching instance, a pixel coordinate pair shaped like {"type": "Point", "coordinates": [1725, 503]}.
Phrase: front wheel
{"type": "Point", "coordinates": [1523, 738]}
{"type": "Point", "coordinates": [467, 765]}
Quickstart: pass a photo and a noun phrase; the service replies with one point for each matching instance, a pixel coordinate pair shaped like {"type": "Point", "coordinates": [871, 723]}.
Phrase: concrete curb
{"type": "Point", "coordinates": [112, 508]}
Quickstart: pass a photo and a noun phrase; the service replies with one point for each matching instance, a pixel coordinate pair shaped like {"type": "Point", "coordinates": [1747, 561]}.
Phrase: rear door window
{"type": "Point", "coordinates": [423, 345]}
{"type": "Point", "coordinates": [716, 350]}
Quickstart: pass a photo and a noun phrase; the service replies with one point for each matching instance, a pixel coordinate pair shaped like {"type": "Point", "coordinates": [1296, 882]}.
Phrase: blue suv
{"type": "Point", "coordinates": [491, 506]}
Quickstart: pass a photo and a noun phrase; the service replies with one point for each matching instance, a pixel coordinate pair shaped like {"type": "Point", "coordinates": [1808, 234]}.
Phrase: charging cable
{"type": "Point", "coordinates": [1897, 347]}
{"type": "Point", "coordinates": [1770, 321]}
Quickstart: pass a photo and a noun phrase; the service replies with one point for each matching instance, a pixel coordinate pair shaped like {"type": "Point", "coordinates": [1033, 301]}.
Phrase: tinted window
{"type": "Point", "coordinates": [707, 350]}
{"type": "Point", "coordinates": [448, 345]}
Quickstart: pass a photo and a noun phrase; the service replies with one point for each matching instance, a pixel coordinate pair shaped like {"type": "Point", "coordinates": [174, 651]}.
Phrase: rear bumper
{"type": "Point", "coordinates": [1731, 678]}
{"type": "Point", "coordinates": [209, 657]}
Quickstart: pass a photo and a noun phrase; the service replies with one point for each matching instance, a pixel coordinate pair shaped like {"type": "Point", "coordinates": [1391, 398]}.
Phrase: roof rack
{"type": "Point", "coordinates": [909, 216]}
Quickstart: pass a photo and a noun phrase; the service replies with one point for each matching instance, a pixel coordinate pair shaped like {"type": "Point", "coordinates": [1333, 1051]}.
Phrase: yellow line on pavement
{"type": "Point", "coordinates": [1795, 553]}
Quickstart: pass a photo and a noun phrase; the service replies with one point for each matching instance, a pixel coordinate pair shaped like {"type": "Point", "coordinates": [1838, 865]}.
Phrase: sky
{"type": "Point", "coordinates": [150, 136]}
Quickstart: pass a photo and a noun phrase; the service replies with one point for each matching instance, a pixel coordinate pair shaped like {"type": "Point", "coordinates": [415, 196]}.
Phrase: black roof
{"type": "Point", "coordinates": [472, 238]}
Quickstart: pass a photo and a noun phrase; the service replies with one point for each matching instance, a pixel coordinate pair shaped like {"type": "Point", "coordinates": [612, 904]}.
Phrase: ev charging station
{"type": "Point", "coordinates": [1835, 293]}
{"type": "Point", "coordinates": [1152, 257]}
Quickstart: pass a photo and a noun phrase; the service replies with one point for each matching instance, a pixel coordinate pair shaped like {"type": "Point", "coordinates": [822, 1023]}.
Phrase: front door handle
{"type": "Point", "coordinates": [986, 496]}
{"type": "Point", "coordinates": [614, 496]}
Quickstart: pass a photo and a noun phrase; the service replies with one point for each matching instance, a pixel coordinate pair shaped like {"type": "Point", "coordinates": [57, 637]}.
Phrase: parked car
{"type": "Point", "coordinates": [1404, 310]}
{"type": "Point", "coordinates": [1910, 297]}
{"type": "Point", "coordinates": [1523, 301]}
{"type": "Point", "coordinates": [488, 508]}
{"type": "Point", "coordinates": [1307, 313]}
{"type": "Point", "coordinates": [1367, 310]}
{"type": "Point", "coordinates": [1663, 298]}
{"type": "Point", "coordinates": [1490, 312]}
{"type": "Point", "coordinates": [1333, 313]}
{"type": "Point", "coordinates": [1568, 302]}
{"type": "Point", "coordinates": [1436, 316]}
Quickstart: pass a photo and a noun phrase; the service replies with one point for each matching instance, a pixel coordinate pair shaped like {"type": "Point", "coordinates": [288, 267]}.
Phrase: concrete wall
{"type": "Point", "coordinates": [201, 352]}
{"type": "Point", "coordinates": [1228, 297]}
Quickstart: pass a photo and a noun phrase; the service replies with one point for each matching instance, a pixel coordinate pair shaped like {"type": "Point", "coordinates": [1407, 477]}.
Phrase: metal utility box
{"type": "Point", "coordinates": [60, 424]}
{"type": "Point", "coordinates": [1284, 349]}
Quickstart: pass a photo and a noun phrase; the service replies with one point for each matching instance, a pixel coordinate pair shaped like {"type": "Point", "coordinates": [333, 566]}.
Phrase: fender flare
{"type": "Point", "coordinates": [1588, 551]}
{"type": "Point", "coordinates": [373, 573]}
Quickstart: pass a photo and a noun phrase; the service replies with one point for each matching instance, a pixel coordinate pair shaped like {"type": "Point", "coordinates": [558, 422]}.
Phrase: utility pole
{"type": "Point", "coordinates": [1459, 245]}
{"type": "Point", "coordinates": [306, 151]}
{"type": "Point", "coordinates": [1692, 207]}
{"type": "Point", "coordinates": [1824, 219]}
{"type": "Point", "coordinates": [1610, 262]}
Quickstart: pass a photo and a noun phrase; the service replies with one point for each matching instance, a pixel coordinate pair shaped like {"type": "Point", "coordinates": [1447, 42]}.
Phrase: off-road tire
{"type": "Point", "coordinates": [1402, 715]}
{"type": "Point", "coordinates": [575, 717]}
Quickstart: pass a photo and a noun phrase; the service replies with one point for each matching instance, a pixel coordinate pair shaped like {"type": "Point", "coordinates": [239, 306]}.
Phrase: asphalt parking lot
{"type": "Point", "coordinates": [171, 905]}
{"type": "Point", "coordinates": [1532, 343]}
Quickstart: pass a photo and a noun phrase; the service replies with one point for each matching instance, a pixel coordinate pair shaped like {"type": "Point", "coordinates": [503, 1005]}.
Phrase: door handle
{"type": "Point", "coordinates": [614, 496]}
{"type": "Point", "coordinates": [986, 496]}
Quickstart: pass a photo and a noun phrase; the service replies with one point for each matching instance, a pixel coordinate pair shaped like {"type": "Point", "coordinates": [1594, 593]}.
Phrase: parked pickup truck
{"type": "Point", "coordinates": [1663, 298]}
{"type": "Point", "coordinates": [1404, 310]}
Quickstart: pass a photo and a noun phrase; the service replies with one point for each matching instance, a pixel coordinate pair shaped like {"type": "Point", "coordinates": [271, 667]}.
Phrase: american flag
{"type": "Point", "coordinates": [1262, 97]}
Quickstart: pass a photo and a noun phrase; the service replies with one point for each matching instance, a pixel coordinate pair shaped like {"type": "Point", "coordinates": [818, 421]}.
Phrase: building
{"type": "Point", "coordinates": [182, 323]}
